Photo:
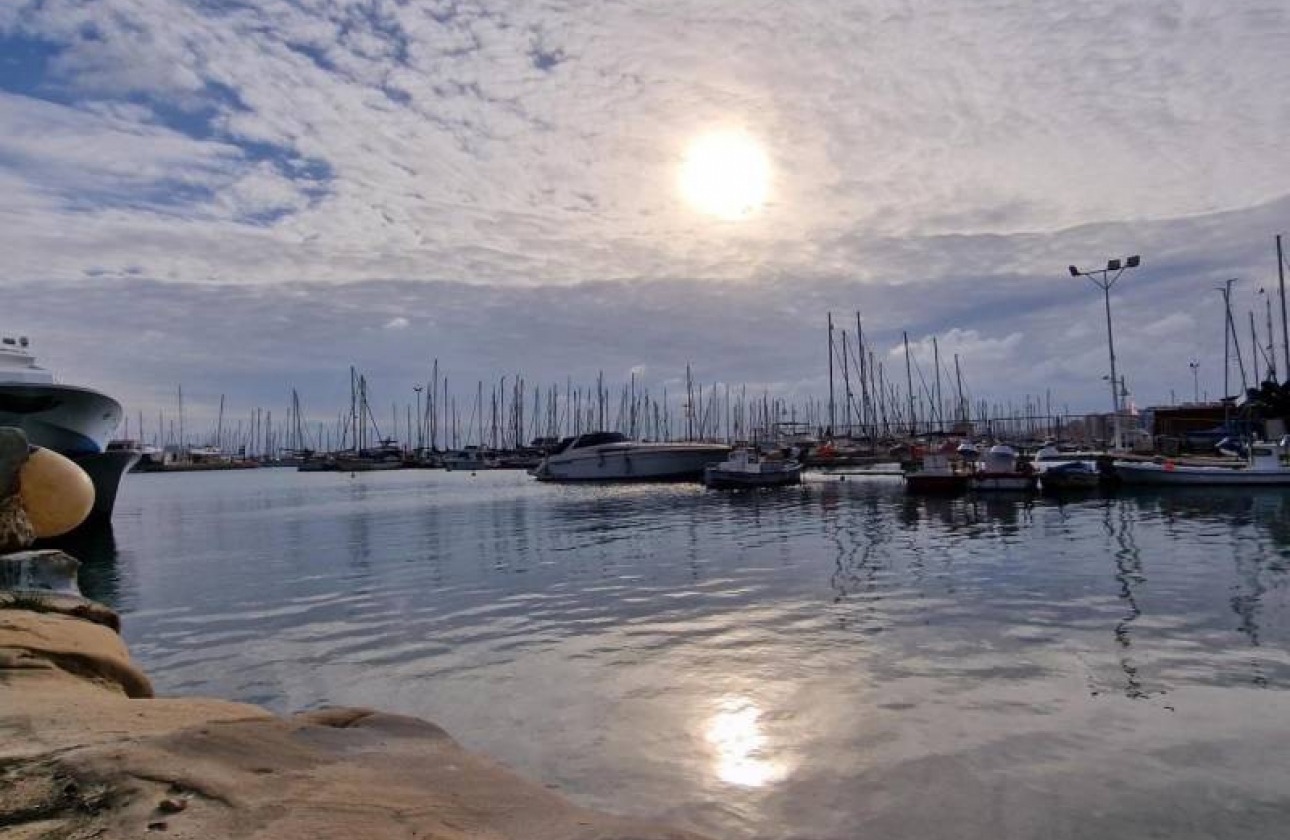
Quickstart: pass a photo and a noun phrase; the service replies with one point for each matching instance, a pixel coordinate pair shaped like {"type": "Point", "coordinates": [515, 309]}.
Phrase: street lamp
{"type": "Point", "coordinates": [1195, 379]}
{"type": "Point", "coordinates": [1104, 279]}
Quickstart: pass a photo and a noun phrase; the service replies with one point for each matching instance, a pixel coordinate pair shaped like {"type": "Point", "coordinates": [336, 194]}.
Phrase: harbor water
{"type": "Point", "coordinates": [835, 660]}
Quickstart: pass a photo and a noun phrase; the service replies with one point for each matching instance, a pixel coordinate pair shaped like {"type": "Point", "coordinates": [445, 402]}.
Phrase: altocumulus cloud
{"type": "Point", "coordinates": [513, 166]}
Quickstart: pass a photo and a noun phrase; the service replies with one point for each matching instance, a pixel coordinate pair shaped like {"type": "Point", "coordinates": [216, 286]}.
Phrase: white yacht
{"type": "Point", "coordinates": [610, 456]}
{"type": "Point", "coordinates": [1267, 464]}
{"type": "Point", "coordinates": [74, 421]}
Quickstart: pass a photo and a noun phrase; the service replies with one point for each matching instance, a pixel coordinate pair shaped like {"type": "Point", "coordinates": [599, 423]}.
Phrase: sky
{"type": "Point", "coordinates": [245, 197]}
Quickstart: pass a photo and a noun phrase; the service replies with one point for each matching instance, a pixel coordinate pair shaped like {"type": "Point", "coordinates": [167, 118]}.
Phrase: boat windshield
{"type": "Point", "coordinates": [597, 439]}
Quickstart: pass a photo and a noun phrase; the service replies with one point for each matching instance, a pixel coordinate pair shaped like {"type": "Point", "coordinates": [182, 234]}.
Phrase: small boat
{"type": "Point", "coordinates": [470, 459]}
{"type": "Point", "coordinates": [611, 456]}
{"type": "Point", "coordinates": [938, 474]}
{"type": "Point", "coordinates": [746, 467]}
{"type": "Point", "coordinates": [1266, 465]}
{"type": "Point", "coordinates": [1069, 475]}
{"type": "Point", "coordinates": [999, 471]}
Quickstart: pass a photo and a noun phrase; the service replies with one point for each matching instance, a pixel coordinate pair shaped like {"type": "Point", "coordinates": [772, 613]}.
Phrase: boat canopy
{"type": "Point", "coordinates": [597, 439]}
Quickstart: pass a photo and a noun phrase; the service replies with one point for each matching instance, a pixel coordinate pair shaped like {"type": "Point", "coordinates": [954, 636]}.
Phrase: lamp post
{"type": "Point", "coordinates": [1104, 279]}
{"type": "Point", "coordinates": [1195, 379]}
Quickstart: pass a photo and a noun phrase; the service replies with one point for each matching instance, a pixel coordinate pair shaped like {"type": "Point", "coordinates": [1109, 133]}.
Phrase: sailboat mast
{"type": "Point", "coordinates": [940, 404]}
{"type": "Point", "coordinates": [909, 384]}
{"type": "Point", "coordinates": [1281, 278]}
{"type": "Point", "coordinates": [832, 418]}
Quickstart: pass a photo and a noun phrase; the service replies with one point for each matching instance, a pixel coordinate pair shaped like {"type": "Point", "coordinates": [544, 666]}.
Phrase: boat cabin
{"type": "Point", "coordinates": [18, 364]}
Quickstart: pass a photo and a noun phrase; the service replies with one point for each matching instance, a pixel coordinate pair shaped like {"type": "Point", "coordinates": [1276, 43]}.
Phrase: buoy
{"type": "Point", "coordinates": [56, 493]}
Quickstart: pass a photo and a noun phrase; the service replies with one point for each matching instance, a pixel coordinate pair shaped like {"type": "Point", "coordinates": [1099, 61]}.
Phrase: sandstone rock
{"type": "Point", "coordinates": [94, 653]}
{"type": "Point", "coordinates": [78, 758]}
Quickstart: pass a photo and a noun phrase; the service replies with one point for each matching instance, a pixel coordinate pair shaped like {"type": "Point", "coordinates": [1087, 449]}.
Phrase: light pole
{"type": "Point", "coordinates": [1195, 379]}
{"type": "Point", "coordinates": [1104, 279]}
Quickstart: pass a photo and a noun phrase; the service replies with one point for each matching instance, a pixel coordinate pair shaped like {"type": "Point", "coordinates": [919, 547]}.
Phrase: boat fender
{"type": "Point", "coordinates": [1169, 466]}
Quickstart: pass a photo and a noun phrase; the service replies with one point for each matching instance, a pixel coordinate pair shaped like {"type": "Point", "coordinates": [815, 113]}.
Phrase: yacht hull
{"type": "Point", "coordinates": [105, 470]}
{"type": "Point", "coordinates": [638, 462]}
{"type": "Point", "coordinates": [1160, 474]}
{"type": "Point", "coordinates": [733, 479]}
{"type": "Point", "coordinates": [69, 420]}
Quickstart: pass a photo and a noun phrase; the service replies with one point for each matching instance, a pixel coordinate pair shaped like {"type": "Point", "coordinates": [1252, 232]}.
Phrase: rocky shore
{"type": "Point", "coordinates": [87, 750]}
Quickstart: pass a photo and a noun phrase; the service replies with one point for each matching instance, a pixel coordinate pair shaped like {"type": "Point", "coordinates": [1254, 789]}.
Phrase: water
{"type": "Point", "coordinates": [830, 661]}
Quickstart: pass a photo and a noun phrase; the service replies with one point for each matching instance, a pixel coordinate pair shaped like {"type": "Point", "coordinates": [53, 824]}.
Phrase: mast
{"type": "Point", "coordinates": [846, 385]}
{"type": "Point", "coordinates": [1254, 349]}
{"type": "Point", "coordinates": [960, 410]}
{"type": "Point", "coordinates": [864, 385]}
{"type": "Point", "coordinates": [909, 383]}
{"type": "Point", "coordinates": [1270, 355]}
{"type": "Point", "coordinates": [831, 407]}
{"type": "Point", "coordinates": [936, 360]}
{"type": "Point", "coordinates": [1281, 278]}
{"type": "Point", "coordinates": [219, 426]}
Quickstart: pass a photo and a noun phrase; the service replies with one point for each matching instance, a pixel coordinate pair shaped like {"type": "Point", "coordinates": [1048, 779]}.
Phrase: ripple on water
{"type": "Point", "coordinates": [837, 660]}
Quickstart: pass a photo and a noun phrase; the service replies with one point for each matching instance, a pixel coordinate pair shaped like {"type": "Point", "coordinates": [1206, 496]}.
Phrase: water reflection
{"type": "Point", "coordinates": [741, 755]}
{"type": "Point", "coordinates": [773, 665]}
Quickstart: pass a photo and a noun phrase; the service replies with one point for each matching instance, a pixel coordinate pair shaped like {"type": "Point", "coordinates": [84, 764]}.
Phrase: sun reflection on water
{"type": "Point", "coordinates": [739, 744]}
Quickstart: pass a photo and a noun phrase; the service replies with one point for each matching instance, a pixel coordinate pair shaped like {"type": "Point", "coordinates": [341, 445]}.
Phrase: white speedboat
{"type": "Point", "coordinates": [610, 456]}
{"type": "Point", "coordinates": [1266, 465]}
{"type": "Point", "coordinates": [999, 471]}
{"type": "Point", "coordinates": [73, 421]}
{"type": "Point", "coordinates": [746, 467]}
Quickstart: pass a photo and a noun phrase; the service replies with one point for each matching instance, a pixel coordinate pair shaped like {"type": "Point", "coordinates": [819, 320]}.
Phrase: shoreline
{"type": "Point", "coordinates": [86, 750]}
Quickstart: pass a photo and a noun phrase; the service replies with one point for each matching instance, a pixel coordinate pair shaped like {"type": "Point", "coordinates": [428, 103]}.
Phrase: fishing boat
{"type": "Point", "coordinates": [1266, 464]}
{"type": "Point", "coordinates": [999, 470]}
{"type": "Point", "coordinates": [611, 456]}
{"type": "Point", "coordinates": [74, 421]}
{"type": "Point", "coordinates": [938, 474]}
{"type": "Point", "coordinates": [747, 467]}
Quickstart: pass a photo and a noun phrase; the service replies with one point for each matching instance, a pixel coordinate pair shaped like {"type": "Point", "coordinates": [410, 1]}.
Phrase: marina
{"type": "Point", "coordinates": [665, 421]}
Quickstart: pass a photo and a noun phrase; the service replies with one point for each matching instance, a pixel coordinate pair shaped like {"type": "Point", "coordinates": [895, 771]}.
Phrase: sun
{"type": "Point", "coordinates": [726, 174]}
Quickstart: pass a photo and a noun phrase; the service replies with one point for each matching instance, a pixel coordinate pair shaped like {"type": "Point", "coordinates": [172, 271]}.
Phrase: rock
{"type": "Point", "coordinates": [56, 493]}
{"type": "Point", "coordinates": [80, 761]}
{"type": "Point", "coordinates": [13, 454]}
{"type": "Point", "coordinates": [16, 531]}
{"type": "Point", "coordinates": [46, 640]}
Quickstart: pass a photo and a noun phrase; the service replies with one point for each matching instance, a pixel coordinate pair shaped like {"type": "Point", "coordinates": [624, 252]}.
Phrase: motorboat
{"type": "Point", "coordinates": [1266, 464]}
{"type": "Point", "coordinates": [611, 456]}
{"type": "Point", "coordinates": [938, 473]}
{"type": "Point", "coordinates": [470, 459]}
{"type": "Point", "coordinates": [1069, 475]}
{"type": "Point", "coordinates": [74, 421]}
{"type": "Point", "coordinates": [1000, 470]}
{"type": "Point", "coordinates": [747, 467]}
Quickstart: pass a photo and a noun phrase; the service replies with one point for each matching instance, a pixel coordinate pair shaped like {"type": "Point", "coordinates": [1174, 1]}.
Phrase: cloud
{"type": "Point", "coordinates": [510, 171]}
{"type": "Point", "coordinates": [396, 323]}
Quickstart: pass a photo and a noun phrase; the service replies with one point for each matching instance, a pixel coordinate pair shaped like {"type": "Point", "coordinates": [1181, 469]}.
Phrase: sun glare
{"type": "Point", "coordinates": [726, 174]}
